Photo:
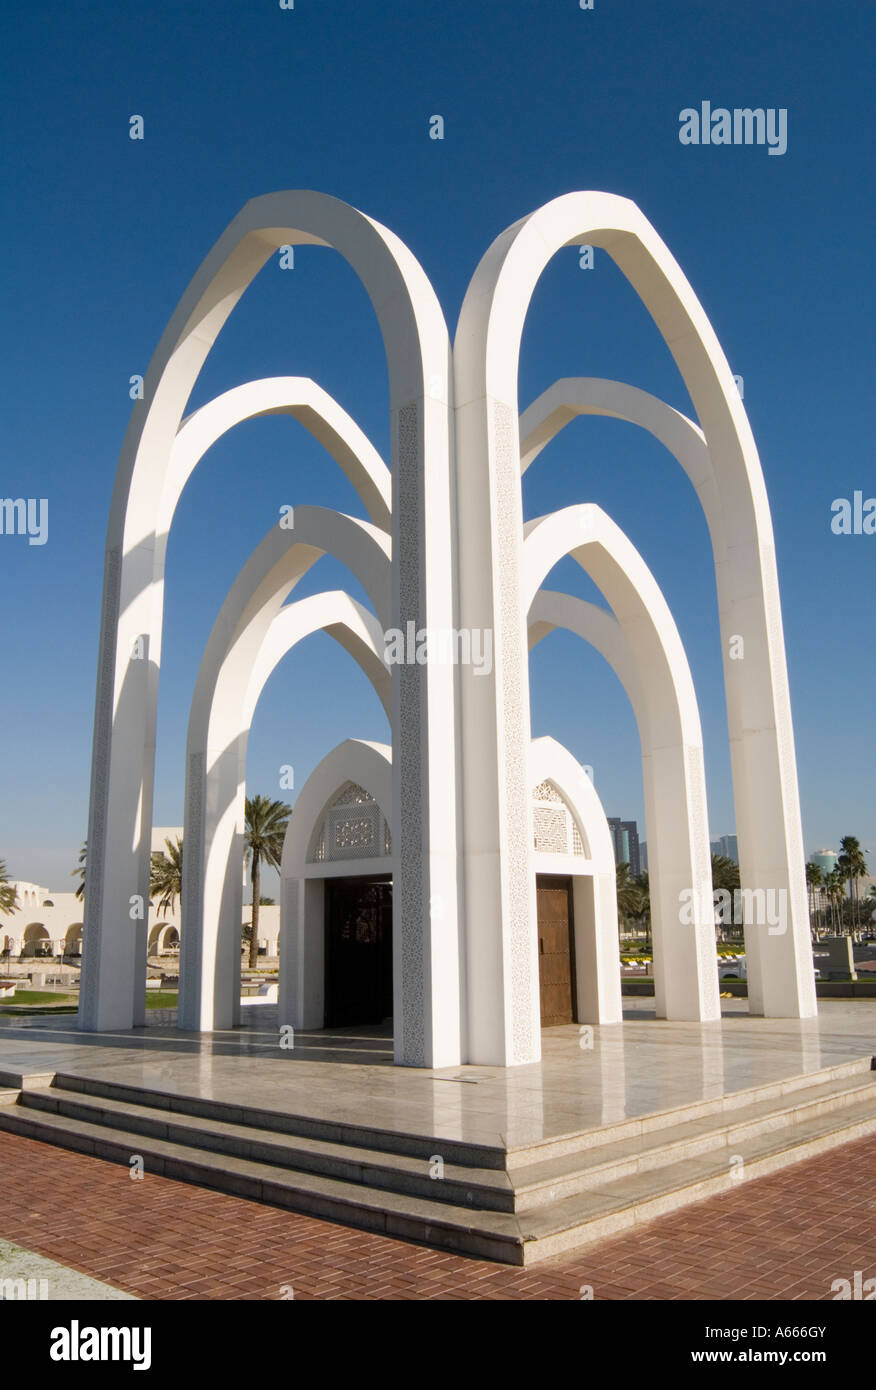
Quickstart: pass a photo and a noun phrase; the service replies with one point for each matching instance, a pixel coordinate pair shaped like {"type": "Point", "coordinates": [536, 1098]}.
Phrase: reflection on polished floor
{"type": "Point", "coordinates": [638, 1068]}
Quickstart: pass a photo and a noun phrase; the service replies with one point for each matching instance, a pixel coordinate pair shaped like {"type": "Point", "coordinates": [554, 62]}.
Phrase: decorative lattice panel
{"type": "Point", "coordinates": [554, 827]}
{"type": "Point", "coordinates": [351, 794]}
{"type": "Point", "coordinates": [551, 830]}
{"type": "Point", "coordinates": [546, 791]}
{"type": "Point", "coordinates": [354, 831]}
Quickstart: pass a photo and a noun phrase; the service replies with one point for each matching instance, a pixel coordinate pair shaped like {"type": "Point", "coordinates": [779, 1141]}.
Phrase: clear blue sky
{"type": "Point", "coordinates": [239, 98]}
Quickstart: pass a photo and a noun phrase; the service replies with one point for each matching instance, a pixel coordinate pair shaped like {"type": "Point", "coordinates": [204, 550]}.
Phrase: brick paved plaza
{"type": "Point", "coordinates": [787, 1236]}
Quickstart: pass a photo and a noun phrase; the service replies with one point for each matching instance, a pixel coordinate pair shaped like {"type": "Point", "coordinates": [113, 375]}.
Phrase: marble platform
{"type": "Point", "coordinates": [635, 1069]}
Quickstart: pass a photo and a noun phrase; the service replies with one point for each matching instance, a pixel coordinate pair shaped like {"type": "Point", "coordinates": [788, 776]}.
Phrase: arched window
{"type": "Point", "coordinates": [353, 827]}
{"type": "Point", "coordinates": [554, 827]}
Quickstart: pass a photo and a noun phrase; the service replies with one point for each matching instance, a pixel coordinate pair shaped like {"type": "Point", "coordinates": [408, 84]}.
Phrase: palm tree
{"type": "Point", "coordinates": [629, 893]}
{"type": "Point", "coordinates": [854, 866]}
{"type": "Point", "coordinates": [79, 872]}
{"type": "Point", "coordinates": [643, 883]}
{"type": "Point", "coordinates": [835, 884]}
{"type": "Point", "coordinates": [725, 873]}
{"type": "Point", "coordinates": [725, 878]}
{"type": "Point", "coordinates": [165, 875]}
{"type": "Point", "coordinates": [8, 892]}
{"type": "Point", "coordinates": [814, 881]}
{"type": "Point", "coordinates": [264, 833]}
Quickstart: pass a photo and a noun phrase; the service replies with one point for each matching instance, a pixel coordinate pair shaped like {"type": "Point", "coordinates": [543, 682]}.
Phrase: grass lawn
{"type": "Point", "coordinates": [161, 998]}
{"type": "Point", "coordinates": [41, 996]}
{"type": "Point", "coordinates": [26, 1001]}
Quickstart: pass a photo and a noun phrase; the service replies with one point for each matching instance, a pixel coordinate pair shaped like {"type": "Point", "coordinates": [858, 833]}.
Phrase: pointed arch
{"type": "Point", "coordinates": [597, 946]}
{"type": "Point", "coordinates": [233, 671]}
{"type": "Point", "coordinates": [307, 403]}
{"type": "Point", "coordinates": [418, 359]}
{"type": "Point", "coordinates": [300, 994]}
{"type": "Point", "coordinates": [495, 712]}
{"type": "Point", "coordinates": [685, 962]}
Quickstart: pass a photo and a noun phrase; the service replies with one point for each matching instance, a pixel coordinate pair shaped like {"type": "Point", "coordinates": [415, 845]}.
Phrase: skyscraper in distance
{"type": "Point", "coordinates": [625, 834]}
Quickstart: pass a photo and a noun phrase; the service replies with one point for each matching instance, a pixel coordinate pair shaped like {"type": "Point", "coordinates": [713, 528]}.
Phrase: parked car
{"type": "Point", "coordinates": [732, 967]}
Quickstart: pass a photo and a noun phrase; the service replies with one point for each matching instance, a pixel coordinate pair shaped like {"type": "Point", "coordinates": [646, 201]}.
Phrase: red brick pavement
{"type": "Point", "coordinates": [787, 1236]}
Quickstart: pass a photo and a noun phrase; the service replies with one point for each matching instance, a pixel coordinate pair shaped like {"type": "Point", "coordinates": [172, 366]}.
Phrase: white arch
{"type": "Point", "coordinates": [685, 961]}
{"type": "Point", "coordinates": [597, 948]}
{"type": "Point", "coordinates": [301, 990]}
{"type": "Point", "coordinates": [417, 348]}
{"type": "Point", "coordinates": [207, 999]}
{"type": "Point", "coordinates": [284, 395]}
{"type": "Point", "coordinates": [351, 625]}
{"type": "Point", "coordinates": [34, 934]}
{"type": "Point", "coordinates": [233, 671]}
{"type": "Point", "coordinates": [664, 767]}
{"type": "Point", "coordinates": [551, 609]}
{"type": "Point", "coordinates": [165, 936]}
{"type": "Point", "coordinates": [573, 396]}
{"type": "Point", "coordinates": [495, 711]}
{"type": "Point", "coordinates": [72, 935]}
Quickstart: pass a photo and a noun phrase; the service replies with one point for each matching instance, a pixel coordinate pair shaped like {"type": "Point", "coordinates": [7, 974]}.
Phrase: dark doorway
{"type": "Point", "coordinates": [556, 950]}
{"type": "Point", "coordinates": [358, 951]}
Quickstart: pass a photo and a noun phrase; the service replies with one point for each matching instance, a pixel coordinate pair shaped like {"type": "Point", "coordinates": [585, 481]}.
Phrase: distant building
{"type": "Point", "coordinates": [49, 923]}
{"type": "Point", "coordinates": [825, 859]}
{"type": "Point", "coordinates": [727, 847]}
{"type": "Point", "coordinates": [643, 856]}
{"type": "Point", "coordinates": [625, 834]}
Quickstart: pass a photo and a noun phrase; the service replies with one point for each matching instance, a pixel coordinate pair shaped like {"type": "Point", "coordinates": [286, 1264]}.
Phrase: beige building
{"type": "Point", "coordinates": [48, 925]}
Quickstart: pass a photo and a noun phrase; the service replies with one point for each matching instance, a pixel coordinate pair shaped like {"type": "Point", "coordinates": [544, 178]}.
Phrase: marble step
{"type": "Point", "coordinates": [488, 1234]}
{"type": "Point", "coordinates": [467, 1186]}
{"type": "Point", "coordinates": [516, 1238]}
{"type": "Point", "coordinates": [727, 1105]}
{"type": "Point", "coordinates": [553, 1179]}
{"type": "Point", "coordinates": [455, 1151]}
{"type": "Point", "coordinates": [616, 1207]}
{"type": "Point", "coordinates": [415, 1145]}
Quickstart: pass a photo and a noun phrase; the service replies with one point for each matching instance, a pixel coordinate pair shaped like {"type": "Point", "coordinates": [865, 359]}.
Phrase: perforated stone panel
{"type": "Point", "coordinates": [551, 832]}
{"type": "Point", "coordinates": [351, 794]}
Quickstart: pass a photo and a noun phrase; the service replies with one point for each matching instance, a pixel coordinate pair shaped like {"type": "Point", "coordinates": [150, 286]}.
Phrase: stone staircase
{"type": "Point", "coordinates": [517, 1205]}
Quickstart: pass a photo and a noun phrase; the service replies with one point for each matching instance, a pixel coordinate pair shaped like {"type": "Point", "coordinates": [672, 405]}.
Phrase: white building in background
{"type": "Point", "coordinates": [49, 925]}
{"type": "Point", "coordinates": [456, 882]}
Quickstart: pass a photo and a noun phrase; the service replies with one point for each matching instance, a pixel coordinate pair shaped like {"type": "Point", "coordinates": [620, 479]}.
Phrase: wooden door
{"type": "Point", "coordinates": [556, 951]}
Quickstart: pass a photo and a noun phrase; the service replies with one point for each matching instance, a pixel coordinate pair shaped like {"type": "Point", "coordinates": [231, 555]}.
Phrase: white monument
{"type": "Point", "coordinates": [461, 878]}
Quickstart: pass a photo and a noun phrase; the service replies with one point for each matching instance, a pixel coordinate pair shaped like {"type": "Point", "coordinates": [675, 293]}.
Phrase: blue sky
{"type": "Point", "coordinates": [102, 234]}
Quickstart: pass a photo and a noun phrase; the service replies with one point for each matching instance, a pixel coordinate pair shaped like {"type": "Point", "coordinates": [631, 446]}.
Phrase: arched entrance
{"type": "Point", "coordinates": [36, 941]}
{"type": "Point", "coordinates": [339, 962]}
{"type": "Point", "coordinates": [576, 900]}
{"type": "Point", "coordinates": [73, 940]}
